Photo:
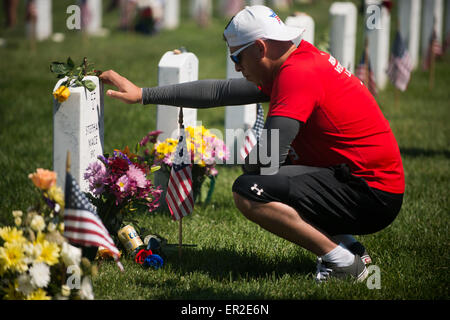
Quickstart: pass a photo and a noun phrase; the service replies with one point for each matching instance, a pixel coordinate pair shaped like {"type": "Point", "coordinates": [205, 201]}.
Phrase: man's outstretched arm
{"type": "Point", "coordinates": [194, 94]}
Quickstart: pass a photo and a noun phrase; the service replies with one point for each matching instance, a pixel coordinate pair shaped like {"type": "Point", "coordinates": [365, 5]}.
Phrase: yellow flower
{"type": "Point", "coordinates": [49, 250]}
{"type": "Point", "coordinates": [39, 294]}
{"type": "Point", "coordinates": [162, 148]}
{"type": "Point", "coordinates": [12, 235]}
{"type": "Point", "coordinates": [43, 179]}
{"type": "Point", "coordinates": [205, 132]}
{"type": "Point", "coordinates": [55, 193]}
{"type": "Point", "coordinates": [171, 145]}
{"type": "Point", "coordinates": [190, 131]}
{"type": "Point", "coordinates": [12, 258]}
{"type": "Point", "coordinates": [61, 94]}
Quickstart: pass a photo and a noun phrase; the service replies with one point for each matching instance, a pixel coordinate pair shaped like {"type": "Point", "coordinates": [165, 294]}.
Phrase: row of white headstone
{"type": "Point", "coordinates": [44, 22]}
{"type": "Point", "coordinates": [78, 122]}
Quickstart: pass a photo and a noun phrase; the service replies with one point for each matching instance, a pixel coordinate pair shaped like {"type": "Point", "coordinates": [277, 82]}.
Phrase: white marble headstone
{"type": "Point", "coordinates": [343, 16]}
{"type": "Point", "coordinates": [237, 117]}
{"type": "Point", "coordinates": [302, 21]}
{"type": "Point", "coordinates": [44, 21]}
{"type": "Point", "coordinates": [409, 24]}
{"type": "Point", "coordinates": [94, 17]}
{"type": "Point", "coordinates": [201, 9]}
{"type": "Point", "coordinates": [433, 12]}
{"type": "Point", "coordinates": [78, 127]}
{"type": "Point", "coordinates": [175, 68]}
{"type": "Point", "coordinates": [378, 38]}
{"type": "Point", "coordinates": [171, 14]}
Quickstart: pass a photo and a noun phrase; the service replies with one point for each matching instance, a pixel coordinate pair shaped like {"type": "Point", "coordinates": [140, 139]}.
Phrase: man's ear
{"type": "Point", "coordinates": [261, 47]}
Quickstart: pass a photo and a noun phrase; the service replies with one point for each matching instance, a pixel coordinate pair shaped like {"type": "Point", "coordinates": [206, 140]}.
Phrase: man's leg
{"type": "Point", "coordinates": [284, 221]}
{"type": "Point", "coordinates": [301, 211]}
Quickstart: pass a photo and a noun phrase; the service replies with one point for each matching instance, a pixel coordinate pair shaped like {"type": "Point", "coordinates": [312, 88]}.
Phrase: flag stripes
{"type": "Point", "coordinates": [249, 142]}
{"type": "Point", "coordinates": [180, 193]}
{"type": "Point", "coordinates": [400, 66]}
{"type": "Point", "coordinates": [79, 228]}
{"type": "Point", "coordinates": [252, 135]}
{"type": "Point", "coordinates": [82, 225]}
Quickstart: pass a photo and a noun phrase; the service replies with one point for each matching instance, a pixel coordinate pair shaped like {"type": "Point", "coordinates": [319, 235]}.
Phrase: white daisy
{"type": "Point", "coordinates": [40, 274]}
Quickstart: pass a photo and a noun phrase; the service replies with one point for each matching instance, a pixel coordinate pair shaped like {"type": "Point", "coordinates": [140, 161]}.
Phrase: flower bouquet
{"type": "Point", "coordinates": [35, 258]}
{"type": "Point", "coordinates": [206, 151]}
{"type": "Point", "coordinates": [120, 184]}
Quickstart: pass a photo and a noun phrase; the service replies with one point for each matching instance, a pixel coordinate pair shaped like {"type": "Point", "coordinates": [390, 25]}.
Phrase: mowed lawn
{"type": "Point", "coordinates": [233, 258]}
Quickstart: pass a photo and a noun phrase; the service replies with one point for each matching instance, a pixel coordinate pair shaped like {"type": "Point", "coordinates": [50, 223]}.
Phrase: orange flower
{"type": "Point", "coordinates": [43, 179]}
{"type": "Point", "coordinates": [104, 253]}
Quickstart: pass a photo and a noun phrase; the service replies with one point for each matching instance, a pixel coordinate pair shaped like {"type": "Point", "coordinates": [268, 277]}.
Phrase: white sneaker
{"type": "Point", "coordinates": [326, 270]}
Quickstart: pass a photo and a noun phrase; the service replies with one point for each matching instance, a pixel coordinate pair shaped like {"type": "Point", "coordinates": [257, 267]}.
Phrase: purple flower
{"type": "Point", "coordinates": [119, 154]}
{"type": "Point", "coordinates": [97, 177]}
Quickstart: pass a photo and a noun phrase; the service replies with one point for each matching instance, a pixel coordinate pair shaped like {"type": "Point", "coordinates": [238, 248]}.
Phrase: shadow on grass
{"type": "Point", "coordinates": [228, 270]}
{"type": "Point", "coordinates": [219, 263]}
{"type": "Point", "coordinates": [419, 152]}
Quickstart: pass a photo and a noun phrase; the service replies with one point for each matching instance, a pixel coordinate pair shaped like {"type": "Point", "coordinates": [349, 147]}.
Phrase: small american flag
{"type": "Point", "coordinates": [180, 195]}
{"type": "Point", "coordinates": [365, 74]}
{"type": "Point", "coordinates": [82, 225]}
{"type": "Point", "coordinates": [400, 66]}
{"type": "Point", "coordinates": [252, 135]}
{"type": "Point", "coordinates": [434, 50]}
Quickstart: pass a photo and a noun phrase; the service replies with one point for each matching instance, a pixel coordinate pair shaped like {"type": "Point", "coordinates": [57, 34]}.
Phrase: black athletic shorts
{"type": "Point", "coordinates": [331, 199]}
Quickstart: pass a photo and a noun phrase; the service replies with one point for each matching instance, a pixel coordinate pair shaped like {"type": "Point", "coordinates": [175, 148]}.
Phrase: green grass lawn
{"type": "Point", "coordinates": [233, 258]}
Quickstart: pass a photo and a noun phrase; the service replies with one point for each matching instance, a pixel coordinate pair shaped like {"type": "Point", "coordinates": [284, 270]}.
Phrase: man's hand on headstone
{"type": "Point", "coordinates": [128, 92]}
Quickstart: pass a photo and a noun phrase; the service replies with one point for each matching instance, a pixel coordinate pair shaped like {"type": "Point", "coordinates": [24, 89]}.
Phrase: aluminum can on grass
{"type": "Point", "coordinates": [129, 238]}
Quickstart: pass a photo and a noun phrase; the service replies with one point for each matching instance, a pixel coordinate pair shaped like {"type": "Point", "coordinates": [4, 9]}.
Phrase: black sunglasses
{"type": "Point", "coordinates": [235, 56]}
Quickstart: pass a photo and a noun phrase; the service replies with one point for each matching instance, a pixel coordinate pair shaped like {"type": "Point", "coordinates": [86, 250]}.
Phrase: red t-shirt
{"type": "Point", "coordinates": [342, 121]}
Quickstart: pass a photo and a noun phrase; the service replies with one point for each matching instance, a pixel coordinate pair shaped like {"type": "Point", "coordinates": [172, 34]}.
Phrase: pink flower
{"type": "Point", "coordinates": [154, 201]}
{"type": "Point", "coordinates": [135, 174]}
{"type": "Point", "coordinates": [123, 183]}
{"type": "Point", "coordinates": [213, 171]}
{"type": "Point", "coordinates": [151, 136]}
{"type": "Point", "coordinates": [168, 159]}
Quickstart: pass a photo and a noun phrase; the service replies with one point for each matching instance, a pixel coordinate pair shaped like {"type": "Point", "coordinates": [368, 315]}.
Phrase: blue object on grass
{"type": "Point", "coordinates": [154, 261]}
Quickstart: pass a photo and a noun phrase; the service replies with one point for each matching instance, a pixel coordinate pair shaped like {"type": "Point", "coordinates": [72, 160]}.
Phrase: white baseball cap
{"type": "Point", "coordinates": [258, 22]}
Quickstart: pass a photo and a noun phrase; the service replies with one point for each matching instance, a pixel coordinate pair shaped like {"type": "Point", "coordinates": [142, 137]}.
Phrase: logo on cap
{"type": "Point", "coordinates": [274, 15]}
